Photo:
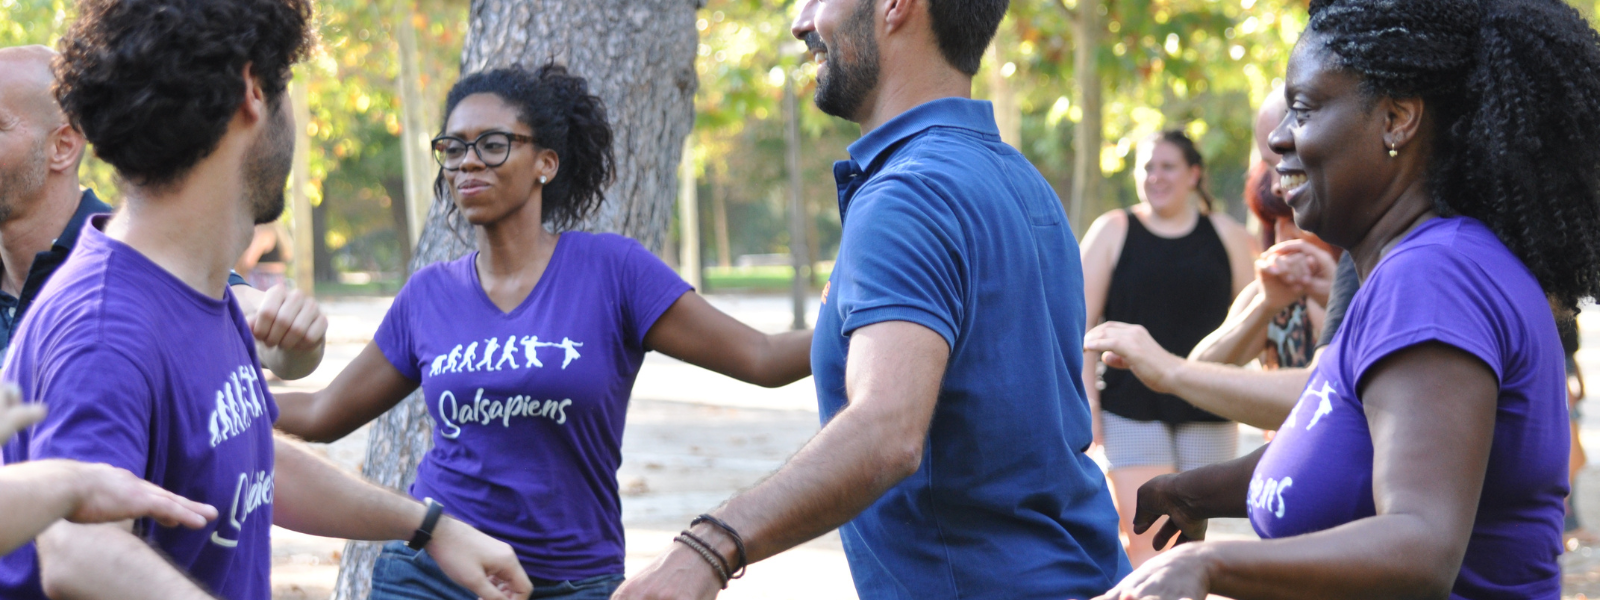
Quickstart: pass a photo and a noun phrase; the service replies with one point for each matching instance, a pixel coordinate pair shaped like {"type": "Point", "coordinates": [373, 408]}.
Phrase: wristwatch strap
{"type": "Point", "coordinates": [425, 532]}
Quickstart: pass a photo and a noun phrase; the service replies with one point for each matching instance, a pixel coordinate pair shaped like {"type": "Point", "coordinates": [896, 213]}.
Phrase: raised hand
{"type": "Point", "coordinates": [288, 319]}
{"type": "Point", "coordinates": [480, 563]}
{"type": "Point", "coordinates": [1301, 265]}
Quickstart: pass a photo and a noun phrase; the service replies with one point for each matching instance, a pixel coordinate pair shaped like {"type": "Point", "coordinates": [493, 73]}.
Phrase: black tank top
{"type": "Point", "coordinates": [1178, 289]}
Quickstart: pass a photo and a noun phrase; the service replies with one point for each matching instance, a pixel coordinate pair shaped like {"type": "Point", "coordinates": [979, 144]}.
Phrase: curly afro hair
{"type": "Point", "coordinates": [566, 119]}
{"type": "Point", "coordinates": [154, 83]}
{"type": "Point", "coordinates": [1514, 90]}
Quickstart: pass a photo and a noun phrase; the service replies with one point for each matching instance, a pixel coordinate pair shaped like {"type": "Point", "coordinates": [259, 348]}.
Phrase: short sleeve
{"type": "Point", "coordinates": [100, 409]}
{"type": "Point", "coordinates": [1345, 284]}
{"type": "Point", "coordinates": [650, 288]}
{"type": "Point", "coordinates": [1426, 294]}
{"type": "Point", "coordinates": [903, 256]}
{"type": "Point", "coordinates": [394, 337]}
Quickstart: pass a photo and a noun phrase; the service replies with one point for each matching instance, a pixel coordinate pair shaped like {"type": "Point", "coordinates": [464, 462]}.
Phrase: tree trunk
{"type": "Point", "coordinates": [417, 177]}
{"type": "Point", "coordinates": [1086, 178]}
{"type": "Point", "coordinates": [638, 56]}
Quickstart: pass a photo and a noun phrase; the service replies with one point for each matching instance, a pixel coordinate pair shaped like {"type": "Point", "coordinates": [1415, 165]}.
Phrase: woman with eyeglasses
{"type": "Point", "coordinates": [527, 349]}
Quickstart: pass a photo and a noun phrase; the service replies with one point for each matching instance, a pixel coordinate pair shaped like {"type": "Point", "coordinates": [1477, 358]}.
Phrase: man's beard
{"type": "Point", "coordinates": [845, 85]}
{"type": "Point", "coordinates": [266, 166]}
{"type": "Point", "coordinates": [24, 181]}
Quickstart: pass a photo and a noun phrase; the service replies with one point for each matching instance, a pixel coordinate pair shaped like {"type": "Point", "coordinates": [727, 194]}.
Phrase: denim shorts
{"type": "Point", "coordinates": [405, 574]}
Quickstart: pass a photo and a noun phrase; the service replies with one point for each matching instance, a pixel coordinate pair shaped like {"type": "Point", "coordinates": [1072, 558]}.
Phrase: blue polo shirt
{"type": "Point", "coordinates": [947, 227]}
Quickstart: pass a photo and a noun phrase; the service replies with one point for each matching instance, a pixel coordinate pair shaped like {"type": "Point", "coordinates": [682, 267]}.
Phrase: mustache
{"type": "Point", "coordinates": [814, 42]}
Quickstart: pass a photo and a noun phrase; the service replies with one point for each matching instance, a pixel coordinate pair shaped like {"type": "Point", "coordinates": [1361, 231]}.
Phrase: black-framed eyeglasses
{"type": "Point", "coordinates": [493, 149]}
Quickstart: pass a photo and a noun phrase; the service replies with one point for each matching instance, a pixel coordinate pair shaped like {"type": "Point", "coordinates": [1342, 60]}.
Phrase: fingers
{"type": "Point", "coordinates": [284, 320]}
{"type": "Point", "coordinates": [1168, 529]}
{"type": "Point", "coordinates": [1114, 360]}
{"type": "Point", "coordinates": [17, 418]}
{"type": "Point", "coordinates": [266, 315]}
{"type": "Point", "coordinates": [172, 510]}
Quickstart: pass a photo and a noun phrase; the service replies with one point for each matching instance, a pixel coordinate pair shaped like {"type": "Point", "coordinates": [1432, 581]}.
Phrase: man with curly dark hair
{"type": "Point", "coordinates": [40, 194]}
{"type": "Point", "coordinates": [136, 346]}
{"type": "Point", "coordinates": [1448, 145]}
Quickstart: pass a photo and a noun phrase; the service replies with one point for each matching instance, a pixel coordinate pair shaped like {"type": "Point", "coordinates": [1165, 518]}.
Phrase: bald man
{"type": "Point", "coordinates": [43, 207]}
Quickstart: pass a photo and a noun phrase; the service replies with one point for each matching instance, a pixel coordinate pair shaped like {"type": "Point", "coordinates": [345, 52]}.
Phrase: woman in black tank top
{"type": "Point", "coordinates": [1172, 266]}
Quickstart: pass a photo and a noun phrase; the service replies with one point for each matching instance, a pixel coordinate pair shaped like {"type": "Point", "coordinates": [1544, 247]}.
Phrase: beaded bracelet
{"type": "Point", "coordinates": [706, 553]}
{"type": "Point", "coordinates": [738, 542]}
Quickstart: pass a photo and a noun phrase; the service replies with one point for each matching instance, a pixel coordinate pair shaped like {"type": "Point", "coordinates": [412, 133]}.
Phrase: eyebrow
{"type": "Point", "coordinates": [462, 135]}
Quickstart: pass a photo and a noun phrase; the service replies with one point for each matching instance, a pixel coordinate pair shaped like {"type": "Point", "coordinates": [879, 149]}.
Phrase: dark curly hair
{"type": "Point", "coordinates": [154, 83]}
{"type": "Point", "coordinates": [1514, 91]}
{"type": "Point", "coordinates": [566, 119]}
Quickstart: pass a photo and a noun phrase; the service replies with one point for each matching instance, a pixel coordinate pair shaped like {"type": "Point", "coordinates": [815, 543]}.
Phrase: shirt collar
{"type": "Point", "coordinates": [974, 115]}
{"type": "Point", "coordinates": [88, 205]}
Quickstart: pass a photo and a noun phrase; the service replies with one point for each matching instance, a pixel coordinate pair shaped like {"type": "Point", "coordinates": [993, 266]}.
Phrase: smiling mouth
{"type": "Point", "coordinates": [1289, 181]}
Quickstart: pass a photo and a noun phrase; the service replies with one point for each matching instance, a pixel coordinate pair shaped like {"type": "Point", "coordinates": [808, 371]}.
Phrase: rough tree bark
{"type": "Point", "coordinates": [638, 56]}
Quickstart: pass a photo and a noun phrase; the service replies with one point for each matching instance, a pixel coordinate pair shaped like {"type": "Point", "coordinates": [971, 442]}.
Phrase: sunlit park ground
{"type": "Point", "coordinates": [694, 438]}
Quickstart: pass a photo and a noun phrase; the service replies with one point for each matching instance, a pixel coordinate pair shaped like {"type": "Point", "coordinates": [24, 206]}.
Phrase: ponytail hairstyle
{"type": "Point", "coordinates": [1513, 87]}
{"type": "Point", "coordinates": [566, 119]}
{"type": "Point", "coordinates": [1191, 158]}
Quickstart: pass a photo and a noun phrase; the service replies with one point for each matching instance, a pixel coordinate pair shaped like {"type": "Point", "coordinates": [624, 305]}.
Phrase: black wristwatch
{"type": "Point", "coordinates": [425, 532]}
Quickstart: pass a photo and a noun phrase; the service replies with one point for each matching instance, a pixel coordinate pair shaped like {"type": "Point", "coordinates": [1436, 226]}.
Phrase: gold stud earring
{"type": "Point", "coordinates": [1392, 151]}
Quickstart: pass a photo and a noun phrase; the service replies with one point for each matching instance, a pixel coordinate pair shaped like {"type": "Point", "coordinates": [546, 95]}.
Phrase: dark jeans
{"type": "Point", "coordinates": [405, 574]}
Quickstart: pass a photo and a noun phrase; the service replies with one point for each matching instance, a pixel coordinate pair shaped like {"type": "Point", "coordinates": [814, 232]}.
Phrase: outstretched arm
{"type": "Point", "coordinates": [366, 388]}
{"type": "Point", "coordinates": [35, 494]}
{"type": "Point", "coordinates": [289, 327]}
{"type": "Point", "coordinates": [892, 379]}
{"type": "Point", "coordinates": [312, 496]}
{"type": "Point", "coordinates": [1256, 398]}
{"type": "Point", "coordinates": [694, 331]}
{"type": "Point", "coordinates": [107, 561]}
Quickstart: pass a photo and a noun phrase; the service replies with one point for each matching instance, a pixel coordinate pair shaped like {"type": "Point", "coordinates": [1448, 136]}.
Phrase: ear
{"type": "Point", "coordinates": [1402, 121]}
{"type": "Point", "coordinates": [254, 106]}
{"type": "Point", "coordinates": [898, 13]}
{"type": "Point", "coordinates": [1195, 173]}
{"type": "Point", "coordinates": [546, 164]}
{"type": "Point", "coordinates": [66, 146]}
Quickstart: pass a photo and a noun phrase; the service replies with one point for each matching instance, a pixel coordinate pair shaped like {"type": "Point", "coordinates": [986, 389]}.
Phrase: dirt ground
{"type": "Point", "coordinates": [694, 438]}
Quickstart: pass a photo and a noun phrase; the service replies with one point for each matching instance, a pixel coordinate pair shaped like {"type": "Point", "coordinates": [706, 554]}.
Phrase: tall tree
{"type": "Point", "coordinates": [638, 56]}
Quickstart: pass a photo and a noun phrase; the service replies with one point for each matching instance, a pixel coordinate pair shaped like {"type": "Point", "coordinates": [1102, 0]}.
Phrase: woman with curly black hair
{"type": "Point", "coordinates": [1449, 146]}
{"type": "Point", "coordinates": [526, 350]}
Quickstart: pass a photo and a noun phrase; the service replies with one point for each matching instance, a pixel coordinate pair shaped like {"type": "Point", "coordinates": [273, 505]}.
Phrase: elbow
{"type": "Point", "coordinates": [900, 459]}
{"type": "Point", "coordinates": [1431, 572]}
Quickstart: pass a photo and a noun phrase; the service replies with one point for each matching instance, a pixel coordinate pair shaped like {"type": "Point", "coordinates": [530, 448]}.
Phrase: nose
{"type": "Point", "coordinates": [806, 21]}
{"type": "Point", "coordinates": [1281, 141]}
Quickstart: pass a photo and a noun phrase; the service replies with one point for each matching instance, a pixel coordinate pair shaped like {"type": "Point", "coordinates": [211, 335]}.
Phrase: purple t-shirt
{"type": "Point", "coordinates": [141, 371]}
{"type": "Point", "coordinates": [1449, 281]}
{"type": "Point", "coordinates": [528, 406]}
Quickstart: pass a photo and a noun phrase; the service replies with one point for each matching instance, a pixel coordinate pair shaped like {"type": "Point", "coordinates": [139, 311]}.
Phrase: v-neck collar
{"type": "Point", "coordinates": [549, 271]}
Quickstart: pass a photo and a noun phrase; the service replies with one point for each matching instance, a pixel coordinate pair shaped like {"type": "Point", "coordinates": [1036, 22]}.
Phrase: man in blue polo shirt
{"type": "Point", "coordinates": [42, 211]}
{"type": "Point", "coordinates": [947, 352]}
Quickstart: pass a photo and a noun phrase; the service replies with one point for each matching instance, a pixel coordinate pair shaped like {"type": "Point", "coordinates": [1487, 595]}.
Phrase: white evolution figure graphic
{"type": "Point", "coordinates": [458, 360]}
{"type": "Point", "coordinates": [1324, 406]}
